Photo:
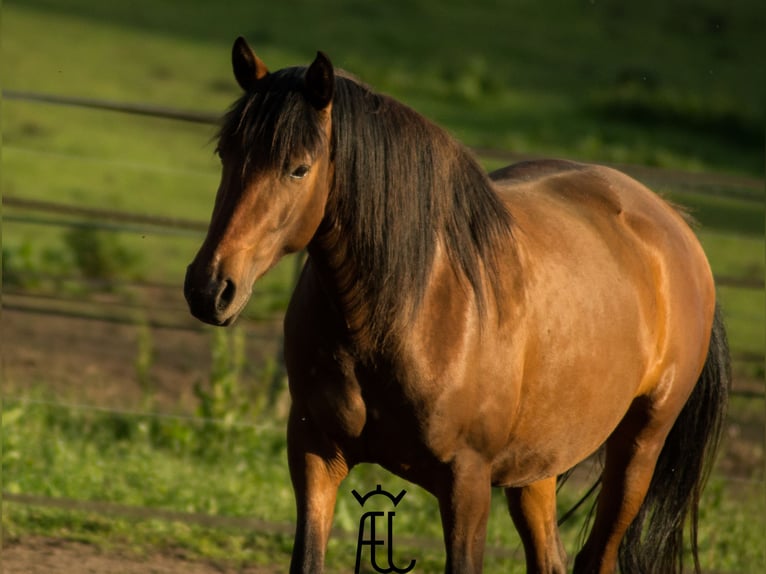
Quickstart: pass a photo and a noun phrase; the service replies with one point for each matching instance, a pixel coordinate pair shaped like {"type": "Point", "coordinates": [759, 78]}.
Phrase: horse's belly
{"type": "Point", "coordinates": [578, 380]}
{"type": "Point", "coordinates": [585, 364]}
{"type": "Point", "coordinates": [526, 460]}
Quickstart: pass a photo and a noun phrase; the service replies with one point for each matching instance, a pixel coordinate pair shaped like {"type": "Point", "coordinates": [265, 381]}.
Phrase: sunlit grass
{"type": "Point", "coordinates": [199, 467]}
{"type": "Point", "coordinates": [487, 74]}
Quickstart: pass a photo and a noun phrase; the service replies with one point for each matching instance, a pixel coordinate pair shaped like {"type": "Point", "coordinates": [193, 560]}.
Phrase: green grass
{"type": "Point", "coordinates": [745, 316]}
{"type": "Point", "coordinates": [504, 87]}
{"type": "Point", "coordinates": [653, 84]}
{"type": "Point", "coordinates": [734, 255]}
{"type": "Point", "coordinates": [596, 77]}
{"type": "Point", "coordinates": [240, 471]}
{"type": "Point", "coordinates": [665, 92]}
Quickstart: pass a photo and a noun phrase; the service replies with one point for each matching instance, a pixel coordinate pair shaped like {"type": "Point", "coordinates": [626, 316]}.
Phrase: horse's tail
{"type": "Point", "coordinates": [654, 541]}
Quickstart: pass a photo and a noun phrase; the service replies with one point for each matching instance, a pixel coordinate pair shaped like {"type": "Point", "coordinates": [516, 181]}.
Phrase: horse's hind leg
{"type": "Point", "coordinates": [533, 510]}
{"type": "Point", "coordinates": [631, 455]}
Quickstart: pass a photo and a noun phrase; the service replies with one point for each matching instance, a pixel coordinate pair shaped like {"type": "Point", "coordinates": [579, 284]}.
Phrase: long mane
{"type": "Point", "coordinates": [402, 186]}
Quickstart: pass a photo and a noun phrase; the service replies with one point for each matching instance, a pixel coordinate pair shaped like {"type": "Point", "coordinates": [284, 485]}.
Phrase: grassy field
{"type": "Point", "coordinates": [654, 84]}
{"type": "Point", "coordinates": [581, 85]}
{"type": "Point", "coordinates": [168, 464]}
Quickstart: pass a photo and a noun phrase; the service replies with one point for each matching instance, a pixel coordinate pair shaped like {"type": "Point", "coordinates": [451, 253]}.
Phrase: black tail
{"type": "Point", "coordinates": [655, 540]}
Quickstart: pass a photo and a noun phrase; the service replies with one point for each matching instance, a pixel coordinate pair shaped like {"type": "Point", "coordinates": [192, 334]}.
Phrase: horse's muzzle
{"type": "Point", "coordinates": [210, 300]}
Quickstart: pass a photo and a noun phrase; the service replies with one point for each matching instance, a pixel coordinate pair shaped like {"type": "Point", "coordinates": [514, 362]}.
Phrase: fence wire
{"type": "Point", "coordinates": [743, 188]}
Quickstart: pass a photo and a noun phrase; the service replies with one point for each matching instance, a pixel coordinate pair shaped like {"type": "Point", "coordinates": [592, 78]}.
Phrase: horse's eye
{"type": "Point", "coordinates": [300, 172]}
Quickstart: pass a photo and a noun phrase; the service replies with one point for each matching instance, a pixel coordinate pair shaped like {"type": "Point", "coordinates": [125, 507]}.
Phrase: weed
{"type": "Point", "coordinates": [26, 265]}
{"type": "Point", "coordinates": [223, 400]}
{"type": "Point", "coordinates": [100, 256]}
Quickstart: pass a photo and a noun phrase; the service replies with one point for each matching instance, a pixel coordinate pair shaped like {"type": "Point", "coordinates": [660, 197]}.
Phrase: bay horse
{"type": "Point", "coordinates": [466, 330]}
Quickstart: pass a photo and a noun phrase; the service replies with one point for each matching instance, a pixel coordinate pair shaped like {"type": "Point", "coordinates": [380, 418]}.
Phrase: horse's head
{"type": "Point", "coordinates": [275, 151]}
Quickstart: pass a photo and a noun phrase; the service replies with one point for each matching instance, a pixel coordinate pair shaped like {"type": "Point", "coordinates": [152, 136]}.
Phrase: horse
{"type": "Point", "coordinates": [467, 330]}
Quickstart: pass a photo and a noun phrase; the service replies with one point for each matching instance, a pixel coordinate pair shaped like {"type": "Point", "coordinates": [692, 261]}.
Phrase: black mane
{"type": "Point", "coordinates": [402, 185]}
{"type": "Point", "coordinates": [272, 125]}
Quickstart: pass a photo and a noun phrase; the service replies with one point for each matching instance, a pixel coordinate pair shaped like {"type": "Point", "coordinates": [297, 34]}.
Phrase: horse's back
{"type": "Point", "coordinates": [535, 169]}
{"type": "Point", "coordinates": [601, 196]}
{"type": "Point", "coordinates": [585, 187]}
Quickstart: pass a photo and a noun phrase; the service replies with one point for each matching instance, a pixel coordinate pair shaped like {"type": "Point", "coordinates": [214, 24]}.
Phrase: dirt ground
{"type": "Point", "coordinates": [95, 364]}
{"type": "Point", "coordinates": [45, 556]}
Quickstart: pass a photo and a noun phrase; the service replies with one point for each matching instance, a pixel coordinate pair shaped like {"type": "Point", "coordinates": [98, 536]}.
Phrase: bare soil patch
{"type": "Point", "coordinates": [45, 555]}
{"type": "Point", "coordinates": [83, 360]}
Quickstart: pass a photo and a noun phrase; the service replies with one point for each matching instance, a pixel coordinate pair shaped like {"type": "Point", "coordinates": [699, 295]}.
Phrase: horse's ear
{"type": "Point", "coordinates": [248, 68]}
{"type": "Point", "coordinates": [320, 82]}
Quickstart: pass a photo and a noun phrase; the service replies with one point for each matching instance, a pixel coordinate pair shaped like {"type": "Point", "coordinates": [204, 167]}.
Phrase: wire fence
{"type": "Point", "coordinates": [742, 187]}
{"type": "Point", "coordinates": [46, 213]}
{"type": "Point", "coordinates": [25, 211]}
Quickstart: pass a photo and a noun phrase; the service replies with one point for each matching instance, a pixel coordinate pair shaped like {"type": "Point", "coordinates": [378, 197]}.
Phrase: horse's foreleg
{"type": "Point", "coordinates": [316, 468]}
{"type": "Point", "coordinates": [533, 510]}
{"type": "Point", "coordinates": [464, 502]}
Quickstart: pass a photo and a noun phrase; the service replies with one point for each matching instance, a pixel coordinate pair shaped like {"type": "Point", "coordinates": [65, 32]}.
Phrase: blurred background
{"type": "Point", "coordinates": [132, 433]}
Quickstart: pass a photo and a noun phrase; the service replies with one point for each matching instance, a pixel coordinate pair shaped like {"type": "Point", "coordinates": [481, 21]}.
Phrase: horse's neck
{"type": "Point", "coordinates": [347, 287]}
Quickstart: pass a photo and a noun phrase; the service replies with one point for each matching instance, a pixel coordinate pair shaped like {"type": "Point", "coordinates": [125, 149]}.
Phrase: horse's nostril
{"type": "Point", "coordinates": [225, 295]}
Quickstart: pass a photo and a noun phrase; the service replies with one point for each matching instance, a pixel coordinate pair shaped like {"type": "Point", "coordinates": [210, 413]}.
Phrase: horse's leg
{"type": "Point", "coordinates": [631, 455]}
{"type": "Point", "coordinates": [316, 468]}
{"type": "Point", "coordinates": [464, 502]}
{"type": "Point", "coordinates": [533, 510]}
